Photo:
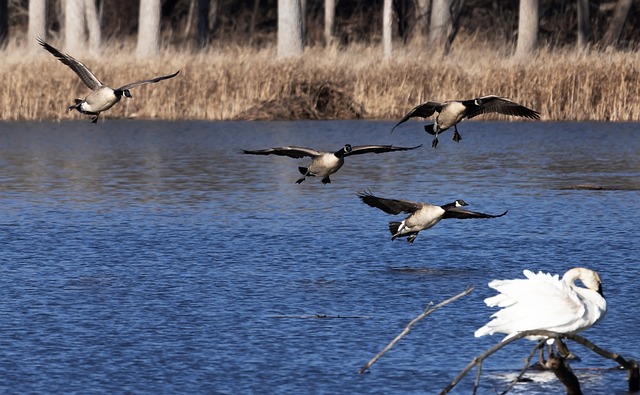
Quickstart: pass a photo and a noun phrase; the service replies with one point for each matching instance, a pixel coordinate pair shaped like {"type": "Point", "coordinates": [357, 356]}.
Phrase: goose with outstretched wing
{"type": "Point", "coordinates": [323, 164]}
{"type": "Point", "coordinates": [451, 112]}
{"type": "Point", "coordinates": [422, 216]}
{"type": "Point", "coordinates": [102, 97]}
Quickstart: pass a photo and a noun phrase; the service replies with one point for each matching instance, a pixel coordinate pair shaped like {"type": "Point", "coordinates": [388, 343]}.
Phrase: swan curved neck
{"type": "Point", "coordinates": [589, 278]}
{"type": "Point", "coordinates": [572, 275]}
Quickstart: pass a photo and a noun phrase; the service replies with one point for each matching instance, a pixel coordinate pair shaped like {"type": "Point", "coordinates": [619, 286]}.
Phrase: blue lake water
{"type": "Point", "coordinates": [151, 257]}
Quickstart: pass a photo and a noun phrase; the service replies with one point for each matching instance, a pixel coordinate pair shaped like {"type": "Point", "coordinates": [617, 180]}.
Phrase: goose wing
{"type": "Point", "coordinates": [424, 110]}
{"type": "Point", "coordinates": [150, 81]}
{"type": "Point", "coordinates": [389, 206]}
{"type": "Point", "coordinates": [501, 105]}
{"type": "Point", "coordinates": [80, 69]}
{"type": "Point", "coordinates": [291, 152]}
{"type": "Point", "coordinates": [377, 149]}
{"type": "Point", "coordinates": [460, 213]}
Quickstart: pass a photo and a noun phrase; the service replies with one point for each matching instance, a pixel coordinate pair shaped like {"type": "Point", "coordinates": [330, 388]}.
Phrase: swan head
{"type": "Point", "coordinates": [589, 278]}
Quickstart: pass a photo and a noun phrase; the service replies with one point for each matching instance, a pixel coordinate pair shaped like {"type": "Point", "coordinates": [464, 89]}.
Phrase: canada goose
{"type": "Point", "coordinates": [102, 98]}
{"type": "Point", "coordinates": [453, 111]}
{"type": "Point", "coordinates": [324, 164]}
{"type": "Point", "coordinates": [546, 302]}
{"type": "Point", "coordinates": [423, 216]}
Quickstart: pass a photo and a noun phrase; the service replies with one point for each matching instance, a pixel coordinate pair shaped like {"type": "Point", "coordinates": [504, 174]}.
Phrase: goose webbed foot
{"type": "Point", "coordinates": [456, 136]}
{"type": "Point", "coordinates": [299, 181]}
{"type": "Point", "coordinates": [94, 119]}
{"type": "Point", "coordinates": [434, 143]}
{"type": "Point", "coordinates": [411, 238]}
{"type": "Point", "coordinates": [326, 180]}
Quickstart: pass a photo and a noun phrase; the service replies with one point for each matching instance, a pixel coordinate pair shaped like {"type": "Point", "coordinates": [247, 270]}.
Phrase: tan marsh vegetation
{"type": "Point", "coordinates": [326, 83]}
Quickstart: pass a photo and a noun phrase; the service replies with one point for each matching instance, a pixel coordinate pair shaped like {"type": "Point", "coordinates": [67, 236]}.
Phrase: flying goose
{"type": "Point", "coordinates": [102, 98]}
{"type": "Point", "coordinates": [423, 216]}
{"type": "Point", "coordinates": [324, 164]}
{"type": "Point", "coordinates": [546, 302]}
{"type": "Point", "coordinates": [453, 111]}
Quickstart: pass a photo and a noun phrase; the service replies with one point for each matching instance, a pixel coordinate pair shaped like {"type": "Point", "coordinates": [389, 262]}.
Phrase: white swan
{"type": "Point", "coordinates": [543, 301]}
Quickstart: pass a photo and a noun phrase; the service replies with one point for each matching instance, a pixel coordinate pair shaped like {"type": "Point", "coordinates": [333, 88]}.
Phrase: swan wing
{"type": "Point", "coordinates": [541, 301]}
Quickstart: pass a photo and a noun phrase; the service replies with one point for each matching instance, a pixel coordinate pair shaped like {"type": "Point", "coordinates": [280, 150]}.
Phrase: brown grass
{"type": "Point", "coordinates": [332, 83]}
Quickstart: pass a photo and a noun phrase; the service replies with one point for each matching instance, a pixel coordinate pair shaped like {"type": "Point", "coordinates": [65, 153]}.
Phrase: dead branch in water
{"type": "Point", "coordinates": [632, 366]}
{"type": "Point", "coordinates": [408, 328]}
{"type": "Point", "coordinates": [522, 371]}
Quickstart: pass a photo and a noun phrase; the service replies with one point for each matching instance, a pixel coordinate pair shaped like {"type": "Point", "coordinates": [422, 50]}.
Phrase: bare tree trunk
{"type": "Point", "coordinates": [387, 14]}
{"type": "Point", "coordinates": [74, 33]}
{"type": "Point", "coordinates": [189, 21]}
{"type": "Point", "coordinates": [254, 16]}
{"type": "Point", "coordinates": [422, 10]}
{"type": "Point", "coordinates": [93, 26]}
{"type": "Point", "coordinates": [148, 29]}
{"type": "Point", "coordinates": [440, 21]}
{"type": "Point", "coordinates": [527, 28]}
{"type": "Point", "coordinates": [303, 13]}
{"type": "Point", "coordinates": [456, 12]}
{"type": "Point", "coordinates": [4, 23]}
{"type": "Point", "coordinates": [290, 41]}
{"type": "Point", "coordinates": [203, 22]}
{"type": "Point", "coordinates": [213, 15]}
{"type": "Point", "coordinates": [584, 27]}
{"type": "Point", "coordinates": [612, 35]}
{"type": "Point", "coordinates": [37, 22]}
{"type": "Point", "coordinates": [329, 20]}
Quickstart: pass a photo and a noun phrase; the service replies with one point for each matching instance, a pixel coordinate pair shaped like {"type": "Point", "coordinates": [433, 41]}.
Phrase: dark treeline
{"type": "Point", "coordinates": [254, 22]}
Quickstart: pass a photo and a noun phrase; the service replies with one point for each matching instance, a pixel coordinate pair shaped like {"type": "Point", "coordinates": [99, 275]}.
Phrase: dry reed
{"type": "Point", "coordinates": [326, 83]}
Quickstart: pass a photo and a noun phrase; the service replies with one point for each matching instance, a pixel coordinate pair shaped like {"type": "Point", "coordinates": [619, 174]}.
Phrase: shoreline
{"type": "Point", "coordinates": [326, 83]}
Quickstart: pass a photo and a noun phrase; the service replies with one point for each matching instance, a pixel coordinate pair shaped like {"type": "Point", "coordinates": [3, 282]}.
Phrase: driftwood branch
{"type": "Point", "coordinates": [478, 361]}
{"type": "Point", "coordinates": [408, 328]}
{"type": "Point", "coordinates": [478, 374]}
{"type": "Point", "coordinates": [527, 361]}
{"type": "Point", "coordinates": [632, 367]}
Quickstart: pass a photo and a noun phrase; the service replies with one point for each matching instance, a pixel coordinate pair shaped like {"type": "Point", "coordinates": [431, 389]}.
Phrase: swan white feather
{"type": "Point", "coordinates": [547, 302]}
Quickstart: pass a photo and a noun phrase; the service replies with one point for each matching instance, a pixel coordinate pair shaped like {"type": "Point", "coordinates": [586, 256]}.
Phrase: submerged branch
{"type": "Point", "coordinates": [526, 366]}
{"type": "Point", "coordinates": [477, 361]}
{"type": "Point", "coordinates": [408, 328]}
{"type": "Point", "coordinates": [563, 372]}
{"type": "Point", "coordinates": [630, 365]}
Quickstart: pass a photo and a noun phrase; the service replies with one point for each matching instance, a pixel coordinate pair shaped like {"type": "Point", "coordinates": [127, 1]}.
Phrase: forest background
{"type": "Point", "coordinates": [579, 60]}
